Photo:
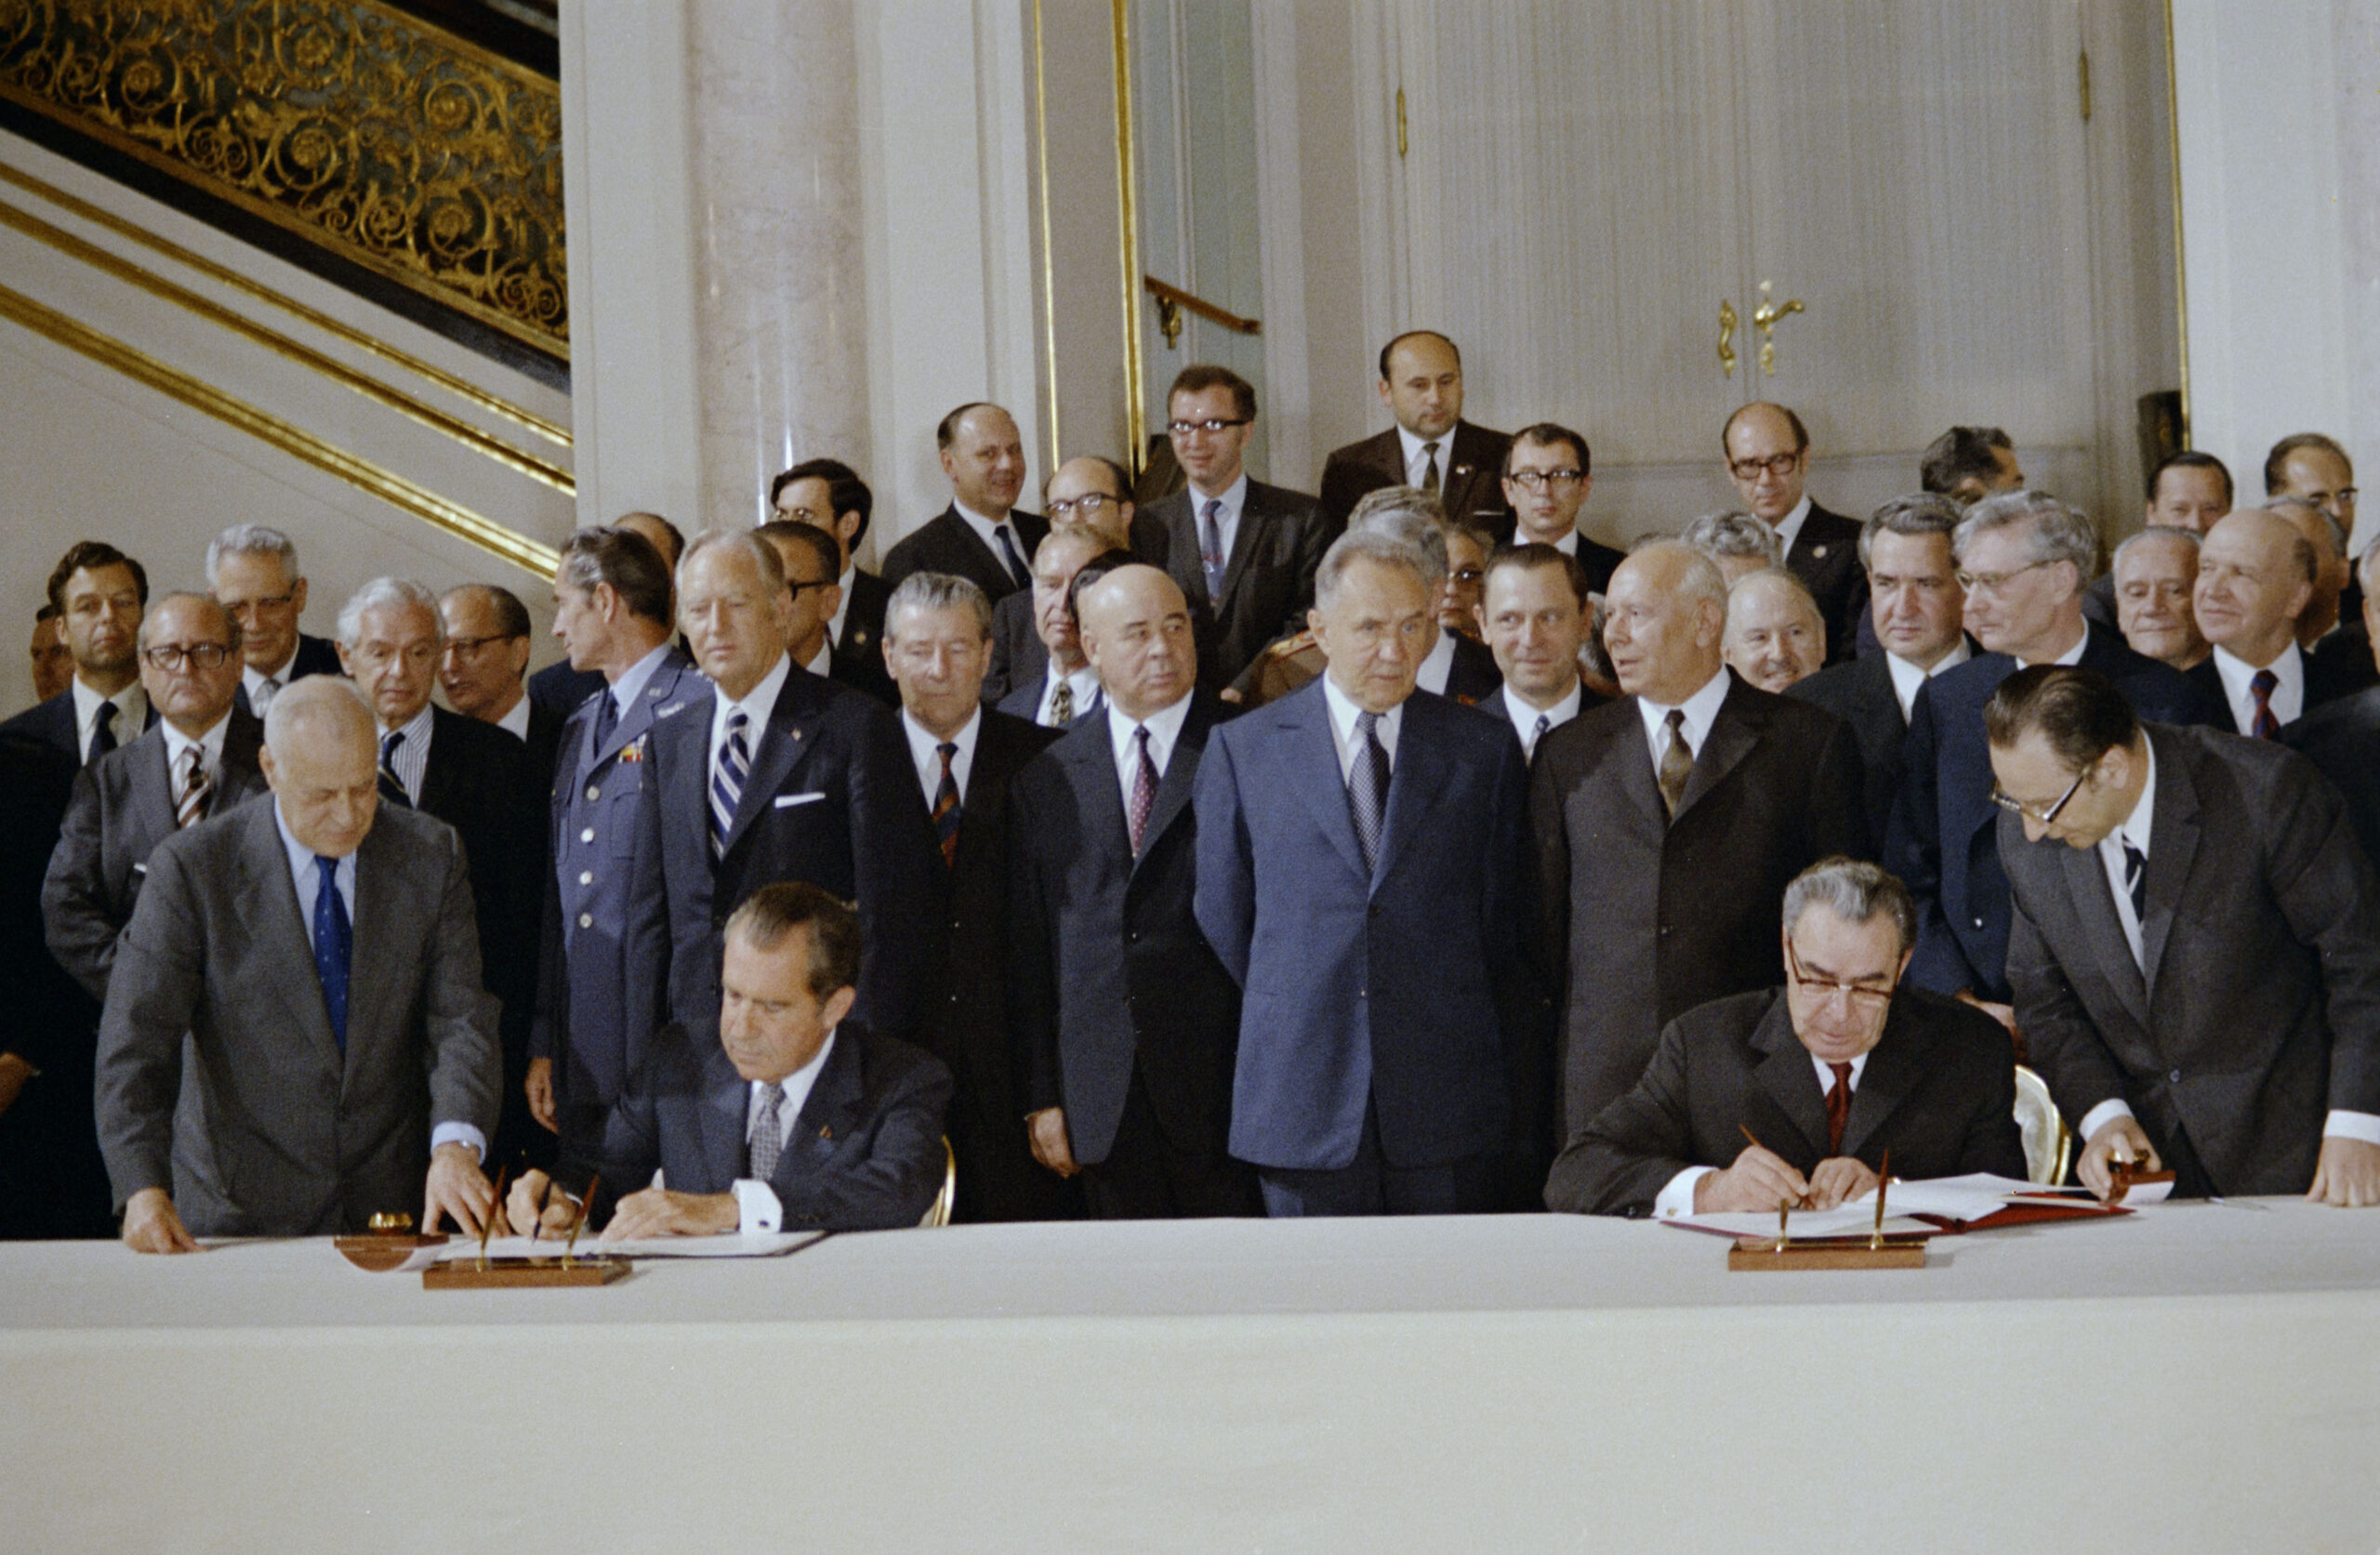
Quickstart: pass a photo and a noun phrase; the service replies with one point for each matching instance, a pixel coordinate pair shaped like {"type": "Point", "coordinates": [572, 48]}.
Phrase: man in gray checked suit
{"type": "Point", "coordinates": [319, 952]}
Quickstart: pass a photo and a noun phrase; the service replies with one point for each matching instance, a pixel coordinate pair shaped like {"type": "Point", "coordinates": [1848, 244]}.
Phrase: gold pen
{"type": "Point", "coordinates": [580, 1219]}
{"type": "Point", "coordinates": [487, 1221]}
{"type": "Point", "coordinates": [1884, 1180]}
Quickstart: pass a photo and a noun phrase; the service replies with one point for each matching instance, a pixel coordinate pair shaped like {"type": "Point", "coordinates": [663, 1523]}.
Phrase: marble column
{"type": "Point", "coordinates": [780, 308]}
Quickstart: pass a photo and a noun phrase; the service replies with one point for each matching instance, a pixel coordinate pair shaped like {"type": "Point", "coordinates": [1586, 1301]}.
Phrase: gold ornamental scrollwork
{"type": "Point", "coordinates": [393, 144]}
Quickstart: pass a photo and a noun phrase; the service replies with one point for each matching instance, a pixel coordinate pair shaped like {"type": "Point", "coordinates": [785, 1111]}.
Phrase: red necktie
{"type": "Point", "coordinates": [1838, 1109]}
{"type": "Point", "coordinates": [2260, 690]}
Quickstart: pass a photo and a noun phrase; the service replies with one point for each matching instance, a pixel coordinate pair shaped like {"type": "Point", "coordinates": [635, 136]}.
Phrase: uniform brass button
{"type": "Point", "coordinates": [585, 877]}
{"type": "Point", "coordinates": [593, 792]}
{"type": "Point", "coordinates": [586, 920]}
{"type": "Point", "coordinates": [587, 836]}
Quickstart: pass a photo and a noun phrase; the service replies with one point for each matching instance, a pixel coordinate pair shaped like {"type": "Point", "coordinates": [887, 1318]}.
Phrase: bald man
{"type": "Point", "coordinates": [1767, 456]}
{"type": "Point", "coordinates": [1775, 635]}
{"type": "Point", "coordinates": [2255, 576]}
{"type": "Point", "coordinates": [1431, 448]}
{"type": "Point", "coordinates": [318, 949]}
{"type": "Point", "coordinates": [983, 535]}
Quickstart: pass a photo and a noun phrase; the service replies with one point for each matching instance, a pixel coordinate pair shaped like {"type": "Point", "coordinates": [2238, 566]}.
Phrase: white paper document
{"type": "Point", "coordinates": [732, 1246]}
{"type": "Point", "coordinates": [1848, 1221]}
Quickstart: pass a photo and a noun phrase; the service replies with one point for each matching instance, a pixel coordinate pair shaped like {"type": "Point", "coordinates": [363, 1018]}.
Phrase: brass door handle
{"type": "Point", "coordinates": [1728, 336]}
{"type": "Point", "coordinates": [1764, 319]}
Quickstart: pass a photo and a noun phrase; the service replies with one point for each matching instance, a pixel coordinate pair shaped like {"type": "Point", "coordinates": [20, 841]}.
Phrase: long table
{"type": "Point", "coordinates": [2195, 1376]}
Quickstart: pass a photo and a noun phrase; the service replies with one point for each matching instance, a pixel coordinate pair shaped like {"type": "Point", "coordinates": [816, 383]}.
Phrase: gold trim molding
{"type": "Point", "coordinates": [391, 143]}
{"type": "Point", "coordinates": [506, 543]}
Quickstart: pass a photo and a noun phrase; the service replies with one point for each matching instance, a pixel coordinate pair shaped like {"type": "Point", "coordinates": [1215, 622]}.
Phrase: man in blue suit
{"type": "Point", "coordinates": [601, 993]}
{"type": "Point", "coordinates": [2024, 558]}
{"type": "Point", "coordinates": [1362, 875]}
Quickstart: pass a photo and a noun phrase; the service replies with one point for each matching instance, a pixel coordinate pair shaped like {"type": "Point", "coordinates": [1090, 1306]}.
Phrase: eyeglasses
{"type": "Point", "coordinates": [2018, 807]}
{"type": "Point", "coordinates": [171, 656]}
{"type": "Point", "coordinates": [1866, 997]}
{"type": "Point", "coordinates": [1992, 583]}
{"type": "Point", "coordinates": [1776, 464]}
{"type": "Point", "coordinates": [1089, 504]}
{"type": "Point", "coordinates": [1212, 429]}
{"type": "Point", "coordinates": [1555, 479]}
{"type": "Point", "coordinates": [472, 645]}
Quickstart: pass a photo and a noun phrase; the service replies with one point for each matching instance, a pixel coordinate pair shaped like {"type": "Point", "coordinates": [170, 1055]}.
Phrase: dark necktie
{"type": "Point", "coordinates": [945, 809]}
{"type": "Point", "coordinates": [1144, 788]}
{"type": "Point", "coordinates": [1019, 574]}
{"type": "Point", "coordinates": [1210, 549]}
{"type": "Point", "coordinates": [103, 731]}
{"type": "Point", "coordinates": [768, 1134]}
{"type": "Point", "coordinates": [2264, 726]}
{"type": "Point", "coordinates": [1367, 788]}
{"type": "Point", "coordinates": [334, 946]}
{"type": "Point", "coordinates": [191, 790]}
{"type": "Point", "coordinates": [727, 780]}
{"type": "Point", "coordinates": [1838, 1109]}
{"type": "Point", "coordinates": [1543, 723]}
{"type": "Point", "coordinates": [1430, 470]}
{"type": "Point", "coordinates": [2135, 879]}
{"type": "Point", "coordinates": [392, 787]}
{"type": "Point", "coordinates": [1677, 760]}
{"type": "Point", "coordinates": [607, 718]}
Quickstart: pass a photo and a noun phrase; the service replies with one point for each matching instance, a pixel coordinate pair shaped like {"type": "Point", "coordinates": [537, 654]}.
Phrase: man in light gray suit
{"type": "Point", "coordinates": [2195, 949]}
{"type": "Point", "coordinates": [320, 952]}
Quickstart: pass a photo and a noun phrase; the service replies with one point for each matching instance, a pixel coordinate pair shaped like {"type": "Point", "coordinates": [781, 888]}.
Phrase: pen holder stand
{"type": "Point", "coordinates": [540, 1273]}
{"type": "Point", "coordinates": [1764, 1254]}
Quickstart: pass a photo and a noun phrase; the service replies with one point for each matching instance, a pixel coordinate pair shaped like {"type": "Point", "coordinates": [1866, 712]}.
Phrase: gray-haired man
{"type": "Point", "coordinates": [252, 568]}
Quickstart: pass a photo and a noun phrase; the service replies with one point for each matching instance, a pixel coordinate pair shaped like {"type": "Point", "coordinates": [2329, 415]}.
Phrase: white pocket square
{"type": "Point", "coordinates": [787, 801]}
{"type": "Point", "coordinates": [141, 869]}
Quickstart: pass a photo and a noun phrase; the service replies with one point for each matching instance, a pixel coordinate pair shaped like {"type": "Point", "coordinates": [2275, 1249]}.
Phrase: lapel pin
{"type": "Point", "coordinates": [1819, 552]}
{"type": "Point", "coordinates": [826, 1130]}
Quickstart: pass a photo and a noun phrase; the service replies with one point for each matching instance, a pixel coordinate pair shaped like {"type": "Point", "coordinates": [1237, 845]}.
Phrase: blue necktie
{"type": "Point", "coordinates": [334, 946]}
{"type": "Point", "coordinates": [1017, 571]}
{"type": "Point", "coordinates": [727, 780]}
{"type": "Point", "coordinates": [607, 718]}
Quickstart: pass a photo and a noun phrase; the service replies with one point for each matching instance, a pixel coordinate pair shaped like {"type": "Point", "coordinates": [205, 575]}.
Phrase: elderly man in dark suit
{"type": "Point", "coordinates": [604, 961]}
{"type": "Point", "coordinates": [316, 954]}
{"type": "Point", "coordinates": [983, 535]}
{"type": "Point", "coordinates": [2196, 954]}
{"type": "Point", "coordinates": [1669, 823]}
{"type": "Point", "coordinates": [1767, 454]}
{"type": "Point", "coordinates": [828, 495]}
{"type": "Point", "coordinates": [1362, 875]}
{"type": "Point", "coordinates": [100, 593]}
{"type": "Point", "coordinates": [1126, 1023]}
{"type": "Point", "coordinates": [787, 1117]}
{"type": "Point", "coordinates": [777, 774]}
{"type": "Point", "coordinates": [1917, 607]}
{"type": "Point", "coordinates": [2255, 577]}
{"type": "Point", "coordinates": [2023, 559]}
{"type": "Point", "coordinates": [1838, 1070]}
{"type": "Point", "coordinates": [252, 568]}
{"type": "Point", "coordinates": [1431, 446]}
{"type": "Point", "coordinates": [966, 755]}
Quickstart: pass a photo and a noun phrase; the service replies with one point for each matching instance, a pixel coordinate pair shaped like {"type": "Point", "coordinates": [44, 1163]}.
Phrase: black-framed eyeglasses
{"type": "Point", "coordinates": [1776, 464]}
{"type": "Point", "coordinates": [1864, 997]}
{"type": "Point", "coordinates": [2018, 807]}
{"type": "Point", "coordinates": [1214, 428]}
{"type": "Point", "coordinates": [1088, 504]}
{"type": "Point", "coordinates": [1554, 479]}
{"type": "Point", "coordinates": [171, 656]}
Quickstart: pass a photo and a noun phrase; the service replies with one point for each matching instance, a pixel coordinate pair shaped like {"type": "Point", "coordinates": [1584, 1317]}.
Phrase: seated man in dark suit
{"type": "Point", "coordinates": [1037, 669]}
{"type": "Point", "coordinates": [1548, 473]}
{"type": "Point", "coordinates": [983, 535]}
{"type": "Point", "coordinates": [828, 495]}
{"type": "Point", "coordinates": [2196, 953]}
{"type": "Point", "coordinates": [1837, 1070]}
{"type": "Point", "coordinates": [100, 593]}
{"type": "Point", "coordinates": [1126, 1023]}
{"type": "Point", "coordinates": [2255, 577]}
{"type": "Point", "coordinates": [313, 956]}
{"type": "Point", "coordinates": [1533, 603]}
{"type": "Point", "coordinates": [792, 1117]}
{"type": "Point", "coordinates": [474, 777]}
{"type": "Point", "coordinates": [566, 688]}
{"type": "Point", "coordinates": [1431, 447]}
{"type": "Point", "coordinates": [252, 568]}
{"type": "Point", "coordinates": [1767, 454]}
{"type": "Point", "coordinates": [1915, 604]}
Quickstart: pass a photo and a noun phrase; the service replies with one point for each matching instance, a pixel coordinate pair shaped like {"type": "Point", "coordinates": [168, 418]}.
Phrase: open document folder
{"type": "Point", "coordinates": [1977, 1202]}
{"type": "Point", "coordinates": [503, 1249]}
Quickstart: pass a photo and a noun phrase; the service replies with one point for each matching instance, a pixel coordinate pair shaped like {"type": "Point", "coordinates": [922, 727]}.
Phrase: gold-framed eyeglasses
{"type": "Point", "coordinates": [2018, 807]}
{"type": "Point", "coordinates": [1087, 505]}
{"type": "Point", "coordinates": [1866, 997]}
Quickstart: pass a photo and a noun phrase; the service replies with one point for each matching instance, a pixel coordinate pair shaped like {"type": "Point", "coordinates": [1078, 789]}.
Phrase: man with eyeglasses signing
{"type": "Point", "coordinates": [1243, 552]}
{"type": "Point", "coordinates": [1796, 1095]}
{"type": "Point", "coordinates": [2196, 948]}
{"type": "Point", "coordinates": [1767, 456]}
{"type": "Point", "coordinates": [2023, 560]}
{"type": "Point", "coordinates": [1548, 473]}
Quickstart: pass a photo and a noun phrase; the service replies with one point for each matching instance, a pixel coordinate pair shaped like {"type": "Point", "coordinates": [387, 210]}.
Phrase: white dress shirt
{"type": "Point", "coordinates": [987, 531]}
{"type": "Point", "coordinates": [308, 879]}
{"type": "Point", "coordinates": [1437, 664]}
{"type": "Point", "coordinates": [1235, 500]}
{"type": "Point", "coordinates": [1343, 714]}
{"type": "Point", "coordinates": [1699, 710]}
{"type": "Point", "coordinates": [254, 683]}
{"type": "Point", "coordinates": [1417, 460]}
{"type": "Point", "coordinates": [925, 749]}
{"type": "Point", "coordinates": [1164, 726]}
{"type": "Point", "coordinates": [515, 721]}
{"type": "Point", "coordinates": [757, 1209]}
{"type": "Point", "coordinates": [823, 662]}
{"type": "Point", "coordinates": [2135, 829]}
{"type": "Point", "coordinates": [1908, 677]}
{"type": "Point", "coordinates": [412, 758]}
{"type": "Point", "coordinates": [131, 714]}
{"type": "Point", "coordinates": [1524, 717]}
{"type": "Point", "coordinates": [1789, 528]}
{"type": "Point", "coordinates": [758, 703]}
{"type": "Point", "coordinates": [1676, 1196]}
{"type": "Point", "coordinates": [1085, 684]}
{"type": "Point", "coordinates": [2288, 700]}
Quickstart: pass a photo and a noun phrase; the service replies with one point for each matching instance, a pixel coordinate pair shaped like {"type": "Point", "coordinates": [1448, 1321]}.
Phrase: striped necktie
{"type": "Point", "coordinates": [727, 780]}
{"type": "Point", "coordinates": [946, 808]}
{"type": "Point", "coordinates": [392, 787]}
{"type": "Point", "coordinates": [1144, 789]}
{"type": "Point", "coordinates": [1367, 788]}
{"type": "Point", "coordinates": [193, 789]}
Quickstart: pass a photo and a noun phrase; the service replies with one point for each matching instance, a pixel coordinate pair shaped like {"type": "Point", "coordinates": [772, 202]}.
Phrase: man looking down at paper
{"type": "Point", "coordinates": [1829, 1073]}
{"type": "Point", "coordinates": [796, 1119]}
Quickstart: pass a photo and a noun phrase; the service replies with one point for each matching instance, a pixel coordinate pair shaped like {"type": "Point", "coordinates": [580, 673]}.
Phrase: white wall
{"type": "Point", "coordinates": [86, 452]}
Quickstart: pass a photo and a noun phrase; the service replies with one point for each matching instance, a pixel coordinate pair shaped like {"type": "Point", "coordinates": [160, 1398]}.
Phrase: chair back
{"type": "Point", "coordinates": [940, 1214]}
{"type": "Point", "coordinates": [2049, 1144]}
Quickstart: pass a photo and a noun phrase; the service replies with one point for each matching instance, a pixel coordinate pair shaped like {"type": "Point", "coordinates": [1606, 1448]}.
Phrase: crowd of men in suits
{"type": "Point", "coordinates": [1400, 849]}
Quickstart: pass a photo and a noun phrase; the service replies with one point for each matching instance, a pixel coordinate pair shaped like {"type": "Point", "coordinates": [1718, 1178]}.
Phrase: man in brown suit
{"type": "Point", "coordinates": [1431, 446]}
{"type": "Point", "coordinates": [1669, 823]}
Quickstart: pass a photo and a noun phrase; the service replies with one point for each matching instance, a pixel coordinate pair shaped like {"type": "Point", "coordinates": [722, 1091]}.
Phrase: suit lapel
{"type": "Point", "coordinates": [1091, 760]}
{"type": "Point", "coordinates": [280, 930]}
{"type": "Point", "coordinates": [832, 1109]}
{"type": "Point", "coordinates": [1894, 1065]}
{"type": "Point", "coordinates": [1313, 754]}
{"type": "Point", "coordinates": [1733, 734]}
{"type": "Point", "coordinates": [1173, 790]}
{"type": "Point", "coordinates": [377, 970]}
{"type": "Point", "coordinates": [2173, 844]}
{"type": "Point", "coordinates": [785, 740]}
{"type": "Point", "coordinates": [1634, 763]}
{"type": "Point", "coordinates": [153, 792]}
{"type": "Point", "coordinates": [1788, 1078]}
{"type": "Point", "coordinates": [1255, 519]}
{"type": "Point", "coordinates": [1415, 786]}
{"type": "Point", "coordinates": [238, 775]}
{"type": "Point", "coordinates": [2095, 905]}
{"type": "Point", "coordinates": [727, 1099]}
